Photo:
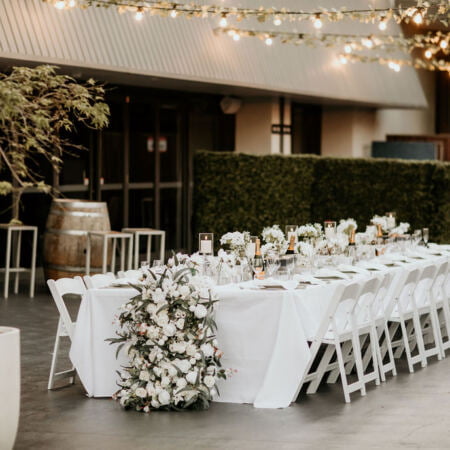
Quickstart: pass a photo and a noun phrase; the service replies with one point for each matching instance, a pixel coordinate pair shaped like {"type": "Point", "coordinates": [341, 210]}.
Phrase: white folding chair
{"type": "Point", "coordinates": [58, 289]}
{"type": "Point", "coordinates": [351, 321]}
{"type": "Point", "coordinates": [129, 274]}
{"type": "Point", "coordinates": [413, 304]}
{"type": "Point", "coordinates": [99, 280]}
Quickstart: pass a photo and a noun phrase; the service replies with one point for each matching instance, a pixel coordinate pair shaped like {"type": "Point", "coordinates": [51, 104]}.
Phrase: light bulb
{"type": "Point", "coordinates": [231, 32]}
{"type": "Point", "coordinates": [277, 21]}
{"type": "Point", "coordinates": [223, 22]}
{"type": "Point", "coordinates": [382, 25]}
{"type": "Point", "coordinates": [173, 13]}
{"type": "Point", "coordinates": [443, 44]}
{"type": "Point", "coordinates": [61, 4]}
{"type": "Point", "coordinates": [269, 41]}
{"type": "Point", "coordinates": [343, 59]}
{"type": "Point", "coordinates": [418, 19]}
{"type": "Point", "coordinates": [397, 68]}
{"type": "Point", "coordinates": [391, 65]}
{"type": "Point", "coordinates": [236, 37]}
{"type": "Point", "coordinates": [428, 54]}
{"type": "Point", "coordinates": [367, 43]}
{"type": "Point", "coordinates": [318, 22]}
{"type": "Point", "coordinates": [139, 15]}
{"type": "Point", "coordinates": [348, 48]}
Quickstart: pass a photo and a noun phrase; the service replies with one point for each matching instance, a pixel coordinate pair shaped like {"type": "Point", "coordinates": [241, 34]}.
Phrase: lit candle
{"type": "Point", "coordinates": [206, 243]}
{"type": "Point", "coordinates": [330, 229]}
{"type": "Point", "coordinates": [390, 220]}
{"type": "Point", "coordinates": [291, 230]}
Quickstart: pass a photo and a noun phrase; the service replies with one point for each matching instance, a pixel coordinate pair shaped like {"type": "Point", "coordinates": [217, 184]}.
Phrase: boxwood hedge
{"type": "Point", "coordinates": [234, 191]}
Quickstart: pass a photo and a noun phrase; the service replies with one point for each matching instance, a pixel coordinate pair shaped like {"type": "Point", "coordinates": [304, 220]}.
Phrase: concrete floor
{"type": "Point", "coordinates": [409, 411]}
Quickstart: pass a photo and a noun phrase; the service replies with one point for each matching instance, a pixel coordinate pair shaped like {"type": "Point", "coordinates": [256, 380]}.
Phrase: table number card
{"type": "Point", "coordinates": [206, 243]}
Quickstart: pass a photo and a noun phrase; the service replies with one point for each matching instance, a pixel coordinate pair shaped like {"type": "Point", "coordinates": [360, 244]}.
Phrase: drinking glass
{"type": "Point", "coordinates": [416, 237]}
{"type": "Point", "coordinates": [425, 235]}
{"type": "Point", "coordinates": [145, 266]}
{"type": "Point", "coordinates": [272, 264]}
{"type": "Point", "coordinates": [157, 263]}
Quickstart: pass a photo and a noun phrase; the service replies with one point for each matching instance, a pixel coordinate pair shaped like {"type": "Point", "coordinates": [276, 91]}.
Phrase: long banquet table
{"type": "Point", "coordinates": [263, 334]}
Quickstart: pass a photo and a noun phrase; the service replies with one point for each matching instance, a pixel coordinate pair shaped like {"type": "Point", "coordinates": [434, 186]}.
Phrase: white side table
{"type": "Point", "coordinates": [149, 232]}
{"type": "Point", "coordinates": [14, 236]}
{"type": "Point", "coordinates": [114, 236]}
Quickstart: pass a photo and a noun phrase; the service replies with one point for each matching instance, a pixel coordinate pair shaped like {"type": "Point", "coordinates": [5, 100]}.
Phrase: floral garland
{"type": "Point", "coordinates": [169, 333]}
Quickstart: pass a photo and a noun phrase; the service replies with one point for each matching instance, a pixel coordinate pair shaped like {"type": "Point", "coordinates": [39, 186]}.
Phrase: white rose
{"type": "Point", "coordinates": [207, 349]}
{"type": "Point", "coordinates": [123, 400]}
{"type": "Point", "coordinates": [141, 392]}
{"type": "Point", "coordinates": [172, 371]}
{"type": "Point", "coordinates": [146, 409]}
{"type": "Point", "coordinates": [144, 375]}
{"type": "Point", "coordinates": [209, 381]}
{"type": "Point", "coordinates": [155, 403]}
{"type": "Point", "coordinates": [180, 323]}
{"type": "Point", "coordinates": [151, 308]}
{"type": "Point", "coordinates": [191, 349]}
{"type": "Point", "coordinates": [200, 312]}
{"type": "Point", "coordinates": [157, 371]}
{"type": "Point", "coordinates": [183, 364]}
{"type": "Point", "coordinates": [193, 361]}
{"type": "Point", "coordinates": [165, 381]}
{"type": "Point", "coordinates": [164, 397]}
{"type": "Point", "coordinates": [150, 389]}
{"type": "Point", "coordinates": [192, 308]}
{"type": "Point", "coordinates": [181, 383]}
{"type": "Point", "coordinates": [184, 291]}
{"type": "Point", "coordinates": [191, 377]}
{"type": "Point", "coordinates": [162, 319]}
{"type": "Point", "coordinates": [158, 296]}
{"type": "Point", "coordinates": [169, 329]}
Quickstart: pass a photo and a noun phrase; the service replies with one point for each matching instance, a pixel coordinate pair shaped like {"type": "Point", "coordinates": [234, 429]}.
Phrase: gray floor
{"type": "Point", "coordinates": [409, 411]}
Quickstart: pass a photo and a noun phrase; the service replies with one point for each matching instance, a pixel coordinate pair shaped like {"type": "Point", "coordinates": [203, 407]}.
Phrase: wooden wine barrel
{"type": "Point", "coordinates": [66, 233]}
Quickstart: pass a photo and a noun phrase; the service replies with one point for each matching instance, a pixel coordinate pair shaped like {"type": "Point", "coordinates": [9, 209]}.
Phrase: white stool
{"type": "Point", "coordinates": [149, 232]}
{"type": "Point", "coordinates": [114, 236]}
{"type": "Point", "coordinates": [15, 231]}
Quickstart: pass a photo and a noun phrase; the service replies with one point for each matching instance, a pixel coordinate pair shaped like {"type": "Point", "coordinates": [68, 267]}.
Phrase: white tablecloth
{"type": "Point", "coordinates": [263, 335]}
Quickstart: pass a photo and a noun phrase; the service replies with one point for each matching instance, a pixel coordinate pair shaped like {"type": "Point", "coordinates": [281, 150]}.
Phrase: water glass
{"type": "Point", "coordinates": [157, 263]}
{"type": "Point", "coordinates": [145, 266]}
{"type": "Point", "coordinates": [425, 235]}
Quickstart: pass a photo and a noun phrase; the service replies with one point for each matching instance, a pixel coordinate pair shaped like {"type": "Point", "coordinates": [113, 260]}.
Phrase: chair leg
{"type": "Point", "coordinates": [419, 339]}
{"type": "Point", "coordinates": [375, 350]}
{"type": "Point", "coordinates": [358, 362]}
{"type": "Point", "coordinates": [406, 346]}
{"type": "Point", "coordinates": [437, 336]}
{"type": "Point", "coordinates": [390, 353]}
{"type": "Point", "coordinates": [346, 355]}
{"type": "Point", "coordinates": [321, 370]}
{"type": "Point", "coordinates": [342, 371]}
{"type": "Point", "coordinates": [51, 378]}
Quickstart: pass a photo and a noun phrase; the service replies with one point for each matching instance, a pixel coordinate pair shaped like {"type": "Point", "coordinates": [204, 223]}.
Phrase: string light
{"type": "Point", "coordinates": [139, 14]}
{"type": "Point", "coordinates": [173, 13]}
{"type": "Point", "coordinates": [223, 21]}
{"type": "Point", "coordinates": [317, 21]}
{"type": "Point", "coordinates": [367, 42]}
{"type": "Point", "coordinates": [277, 21]}
{"type": "Point", "coordinates": [269, 41]}
{"type": "Point", "coordinates": [443, 44]}
{"type": "Point", "coordinates": [418, 18]}
{"type": "Point", "coordinates": [428, 54]}
{"type": "Point", "coordinates": [236, 37]}
{"type": "Point", "coordinates": [348, 48]}
{"type": "Point", "coordinates": [60, 4]}
{"type": "Point", "coordinates": [343, 59]}
{"type": "Point", "coordinates": [72, 3]}
{"type": "Point", "coordinates": [382, 25]}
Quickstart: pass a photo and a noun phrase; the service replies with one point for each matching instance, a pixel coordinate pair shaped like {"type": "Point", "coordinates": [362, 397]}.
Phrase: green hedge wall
{"type": "Point", "coordinates": [235, 191]}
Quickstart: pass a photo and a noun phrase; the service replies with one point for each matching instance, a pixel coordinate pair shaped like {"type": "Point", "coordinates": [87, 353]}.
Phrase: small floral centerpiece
{"type": "Point", "coordinates": [274, 240]}
{"type": "Point", "coordinates": [168, 331]}
{"type": "Point", "coordinates": [237, 242]}
{"type": "Point", "coordinates": [403, 228]}
{"type": "Point", "coordinates": [347, 226]}
{"type": "Point", "coordinates": [380, 221]}
{"type": "Point", "coordinates": [309, 231]}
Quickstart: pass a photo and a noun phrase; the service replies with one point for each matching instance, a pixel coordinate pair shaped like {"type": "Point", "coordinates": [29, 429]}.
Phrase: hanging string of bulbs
{"type": "Point", "coordinates": [422, 13]}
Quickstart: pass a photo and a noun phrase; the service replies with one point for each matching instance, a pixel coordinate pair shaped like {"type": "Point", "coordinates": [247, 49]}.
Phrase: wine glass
{"type": "Point", "coordinates": [425, 236]}
{"type": "Point", "coordinates": [272, 264]}
{"type": "Point", "coordinates": [416, 237]}
{"type": "Point", "coordinates": [157, 263]}
{"type": "Point", "coordinates": [145, 265]}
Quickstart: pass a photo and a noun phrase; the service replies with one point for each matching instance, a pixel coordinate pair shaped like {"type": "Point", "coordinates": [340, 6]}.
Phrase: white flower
{"type": "Point", "coordinates": [191, 377]}
{"type": "Point", "coordinates": [178, 347]}
{"type": "Point", "coordinates": [162, 318]}
{"type": "Point", "coordinates": [207, 349]}
{"type": "Point", "coordinates": [184, 290]}
{"type": "Point", "coordinates": [347, 226]}
{"type": "Point", "coordinates": [151, 308]}
{"type": "Point", "coordinates": [169, 329]}
{"type": "Point", "coordinates": [123, 400]}
{"type": "Point", "coordinates": [155, 403]}
{"type": "Point", "coordinates": [165, 381]}
{"type": "Point", "coordinates": [146, 409]}
{"type": "Point", "coordinates": [181, 383]}
{"type": "Point", "coordinates": [180, 323]}
{"type": "Point", "coordinates": [193, 361]}
{"type": "Point", "coordinates": [191, 350]}
{"type": "Point", "coordinates": [150, 389]}
{"type": "Point", "coordinates": [209, 381]}
{"type": "Point", "coordinates": [141, 392]}
{"type": "Point", "coordinates": [164, 397]}
{"type": "Point", "coordinates": [172, 371]}
{"type": "Point", "coordinates": [200, 311]}
{"type": "Point", "coordinates": [144, 375]}
{"type": "Point", "coordinates": [157, 371]}
{"type": "Point", "coordinates": [158, 295]}
{"type": "Point", "coordinates": [183, 364]}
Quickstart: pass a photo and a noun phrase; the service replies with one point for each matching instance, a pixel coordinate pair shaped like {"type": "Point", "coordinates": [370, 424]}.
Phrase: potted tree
{"type": "Point", "coordinates": [39, 108]}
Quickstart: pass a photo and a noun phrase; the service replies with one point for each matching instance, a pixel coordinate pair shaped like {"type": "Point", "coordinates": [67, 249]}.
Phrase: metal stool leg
{"type": "Point", "coordinates": [88, 254]}
{"type": "Point", "coordinates": [33, 264]}
{"type": "Point", "coordinates": [8, 257]}
{"type": "Point", "coordinates": [135, 242]}
{"type": "Point", "coordinates": [162, 249]}
{"type": "Point", "coordinates": [17, 262]}
{"type": "Point", "coordinates": [105, 255]}
{"type": "Point", "coordinates": [130, 252]}
{"type": "Point", "coordinates": [122, 254]}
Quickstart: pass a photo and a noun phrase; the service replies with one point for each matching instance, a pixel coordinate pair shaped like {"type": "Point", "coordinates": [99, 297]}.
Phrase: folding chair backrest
{"type": "Point", "coordinates": [363, 311]}
{"type": "Point", "coordinates": [62, 287]}
{"type": "Point", "coordinates": [342, 319]}
{"type": "Point", "coordinates": [384, 298]}
{"type": "Point", "coordinates": [422, 293]}
{"type": "Point", "coordinates": [440, 279]}
{"type": "Point", "coordinates": [99, 280]}
{"type": "Point", "coordinates": [406, 302]}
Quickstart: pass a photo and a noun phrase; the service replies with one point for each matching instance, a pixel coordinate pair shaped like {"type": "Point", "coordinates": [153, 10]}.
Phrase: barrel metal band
{"type": "Point", "coordinates": [67, 232]}
{"type": "Point", "coordinates": [71, 268]}
{"type": "Point", "coordinates": [60, 212]}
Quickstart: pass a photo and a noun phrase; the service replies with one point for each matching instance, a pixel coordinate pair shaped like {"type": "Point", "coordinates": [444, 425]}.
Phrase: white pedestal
{"type": "Point", "coordinates": [9, 386]}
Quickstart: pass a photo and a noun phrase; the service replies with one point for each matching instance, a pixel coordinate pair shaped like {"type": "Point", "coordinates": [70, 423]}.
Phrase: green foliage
{"type": "Point", "coordinates": [242, 192]}
{"type": "Point", "coordinates": [38, 108]}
